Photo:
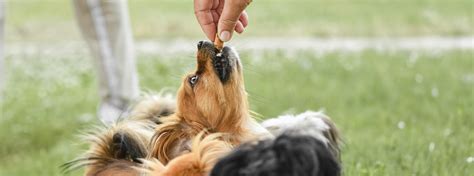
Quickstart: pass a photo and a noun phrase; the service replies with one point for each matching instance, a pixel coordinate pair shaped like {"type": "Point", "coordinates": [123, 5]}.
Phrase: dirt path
{"type": "Point", "coordinates": [316, 45]}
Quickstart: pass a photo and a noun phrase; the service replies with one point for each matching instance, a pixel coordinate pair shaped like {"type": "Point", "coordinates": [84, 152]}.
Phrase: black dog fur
{"type": "Point", "coordinates": [287, 155]}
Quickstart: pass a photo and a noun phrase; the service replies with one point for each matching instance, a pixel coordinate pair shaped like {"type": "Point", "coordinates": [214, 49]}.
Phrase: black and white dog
{"type": "Point", "coordinates": [306, 145]}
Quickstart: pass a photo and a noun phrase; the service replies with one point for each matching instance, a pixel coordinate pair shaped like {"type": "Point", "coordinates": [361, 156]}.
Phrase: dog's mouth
{"type": "Point", "coordinates": [222, 61]}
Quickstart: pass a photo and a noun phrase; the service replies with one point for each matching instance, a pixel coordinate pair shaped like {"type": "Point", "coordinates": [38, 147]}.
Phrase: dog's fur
{"type": "Point", "coordinates": [117, 149]}
{"type": "Point", "coordinates": [308, 144]}
{"type": "Point", "coordinates": [287, 155]}
{"type": "Point", "coordinates": [213, 97]}
{"type": "Point", "coordinates": [316, 124]}
{"type": "Point", "coordinates": [216, 102]}
{"type": "Point", "coordinates": [205, 152]}
{"type": "Point", "coordinates": [154, 106]}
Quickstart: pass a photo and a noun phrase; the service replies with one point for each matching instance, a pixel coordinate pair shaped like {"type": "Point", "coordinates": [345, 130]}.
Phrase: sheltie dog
{"type": "Point", "coordinates": [211, 98]}
{"type": "Point", "coordinates": [307, 144]}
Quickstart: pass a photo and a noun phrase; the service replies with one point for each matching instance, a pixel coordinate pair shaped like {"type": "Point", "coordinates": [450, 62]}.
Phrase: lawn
{"type": "Point", "coordinates": [163, 19]}
{"type": "Point", "coordinates": [400, 112]}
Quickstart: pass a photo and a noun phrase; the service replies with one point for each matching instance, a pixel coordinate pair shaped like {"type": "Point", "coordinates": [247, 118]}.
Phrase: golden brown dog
{"type": "Point", "coordinates": [117, 150]}
{"type": "Point", "coordinates": [212, 98]}
{"type": "Point", "coordinates": [205, 152]}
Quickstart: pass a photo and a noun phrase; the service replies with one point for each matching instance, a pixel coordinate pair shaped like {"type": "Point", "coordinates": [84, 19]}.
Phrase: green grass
{"type": "Point", "coordinates": [49, 99]}
{"type": "Point", "coordinates": [160, 19]}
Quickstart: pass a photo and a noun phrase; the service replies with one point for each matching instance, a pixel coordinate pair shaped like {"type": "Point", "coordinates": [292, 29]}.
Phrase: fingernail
{"type": "Point", "coordinates": [225, 36]}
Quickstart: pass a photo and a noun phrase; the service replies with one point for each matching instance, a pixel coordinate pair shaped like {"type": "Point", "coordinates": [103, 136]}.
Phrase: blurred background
{"type": "Point", "coordinates": [396, 76]}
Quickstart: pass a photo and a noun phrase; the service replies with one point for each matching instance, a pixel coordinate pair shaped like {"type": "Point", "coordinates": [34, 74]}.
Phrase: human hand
{"type": "Point", "coordinates": [221, 16]}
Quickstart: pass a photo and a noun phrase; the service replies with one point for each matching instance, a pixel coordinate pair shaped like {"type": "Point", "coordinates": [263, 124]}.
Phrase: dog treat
{"type": "Point", "coordinates": [218, 43]}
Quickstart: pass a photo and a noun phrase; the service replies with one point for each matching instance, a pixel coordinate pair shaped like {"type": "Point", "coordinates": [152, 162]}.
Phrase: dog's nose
{"type": "Point", "coordinates": [199, 45]}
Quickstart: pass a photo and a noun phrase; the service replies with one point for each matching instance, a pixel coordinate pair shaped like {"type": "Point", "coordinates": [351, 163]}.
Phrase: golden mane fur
{"type": "Point", "coordinates": [204, 154]}
{"type": "Point", "coordinates": [114, 149]}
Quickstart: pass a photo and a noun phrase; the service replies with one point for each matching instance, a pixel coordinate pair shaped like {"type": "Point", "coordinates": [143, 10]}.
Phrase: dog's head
{"type": "Point", "coordinates": [287, 155]}
{"type": "Point", "coordinates": [214, 92]}
{"type": "Point", "coordinates": [212, 98]}
{"type": "Point", "coordinates": [115, 149]}
{"type": "Point", "coordinates": [315, 124]}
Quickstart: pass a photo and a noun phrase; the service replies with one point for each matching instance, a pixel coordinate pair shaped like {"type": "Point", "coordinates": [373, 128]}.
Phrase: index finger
{"type": "Point", "coordinates": [231, 14]}
{"type": "Point", "coordinates": [202, 10]}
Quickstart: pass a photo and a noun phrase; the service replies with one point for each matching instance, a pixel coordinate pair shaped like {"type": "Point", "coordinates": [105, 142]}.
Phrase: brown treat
{"type": "Point", "coordinates": [218, 43]}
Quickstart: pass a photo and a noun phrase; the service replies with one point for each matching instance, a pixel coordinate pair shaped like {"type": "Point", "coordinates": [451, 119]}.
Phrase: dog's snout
{"type": "Point", "coordinates": [205, 46]}
{"type": "Point", "coordinates": [223, 61]}
{"type": "Point", "coordinates": [199, 44]}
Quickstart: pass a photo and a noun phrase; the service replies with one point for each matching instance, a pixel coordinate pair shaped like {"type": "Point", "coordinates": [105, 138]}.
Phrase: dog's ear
{"type": "Point", "coordinates": [334, 138]}
{"type": "Point", "coordinates": [124, 147]}
{"type": "Point", "coordinates": [328, 163]}
{"type": "Point", "coordinates": [165, 141]}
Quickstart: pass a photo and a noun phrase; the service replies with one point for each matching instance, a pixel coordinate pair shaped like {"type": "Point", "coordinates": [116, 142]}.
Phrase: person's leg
{"type": "Point", "coordinates": [2, 62]}
{"type": "Point", "coordinates": [106, 27]}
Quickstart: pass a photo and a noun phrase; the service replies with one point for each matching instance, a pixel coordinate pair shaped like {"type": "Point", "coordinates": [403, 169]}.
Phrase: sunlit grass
{"type": "Point", "coordinates": [160, 19]}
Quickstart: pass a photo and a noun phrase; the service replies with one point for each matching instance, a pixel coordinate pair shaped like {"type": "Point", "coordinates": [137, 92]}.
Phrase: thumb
{"type": "Point", "coordinates": [229, 17]}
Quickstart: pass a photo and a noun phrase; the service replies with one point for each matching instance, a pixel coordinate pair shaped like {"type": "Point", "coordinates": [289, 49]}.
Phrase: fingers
{"type": "Point", "coordinates": [239, 27]}
{"type": "Point", "coordinates": [244, 18]}
{"type": "Point", "coordinates": [231, 18]}
{"type": "Point", "coordinates": [206, 19]}
{"type": "Point", "coordinates": [241, 24]}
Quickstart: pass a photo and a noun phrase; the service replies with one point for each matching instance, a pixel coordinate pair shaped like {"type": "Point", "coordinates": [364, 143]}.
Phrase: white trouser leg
{"type": "Point", "coordinates": [2, 61]}
{"type": "Point", "coordinates": [106, 27]}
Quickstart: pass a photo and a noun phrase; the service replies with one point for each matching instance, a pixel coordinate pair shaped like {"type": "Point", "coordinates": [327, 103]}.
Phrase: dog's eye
{"type": "Point", "coordinates": [193, 80]}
